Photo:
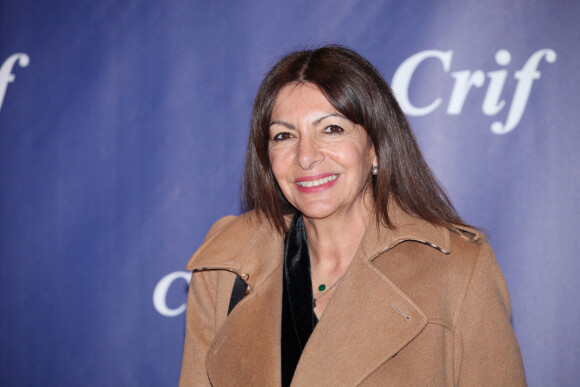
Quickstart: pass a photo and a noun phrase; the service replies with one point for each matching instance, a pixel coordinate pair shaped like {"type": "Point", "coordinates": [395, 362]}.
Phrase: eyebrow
{"type": "Point", "coordinates": [315, 122]}
{"type": "Point", "coordinates": [286, 124]}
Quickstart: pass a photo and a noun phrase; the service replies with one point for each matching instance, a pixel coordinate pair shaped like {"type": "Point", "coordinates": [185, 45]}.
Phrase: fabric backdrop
{"type": "Point", "coordinates": [122, 137]}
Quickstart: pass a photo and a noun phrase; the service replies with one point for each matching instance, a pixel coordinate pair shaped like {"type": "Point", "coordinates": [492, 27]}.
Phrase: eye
{"type": "Point", "coordinates": [333, 129]}
{"type": "Point", "coordinates": [282, 136]}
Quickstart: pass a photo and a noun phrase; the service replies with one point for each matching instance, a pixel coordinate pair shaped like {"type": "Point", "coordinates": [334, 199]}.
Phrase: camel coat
{"type": "Point", "coordinates": [418, 306]}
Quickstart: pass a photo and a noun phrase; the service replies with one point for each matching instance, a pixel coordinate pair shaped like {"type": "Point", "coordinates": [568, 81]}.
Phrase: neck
{"type": "Point", "coordinates": [333, 241]}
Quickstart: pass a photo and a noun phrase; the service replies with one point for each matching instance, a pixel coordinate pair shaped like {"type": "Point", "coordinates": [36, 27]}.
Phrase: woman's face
{"type": "Point", "coordinates": [321, 160]}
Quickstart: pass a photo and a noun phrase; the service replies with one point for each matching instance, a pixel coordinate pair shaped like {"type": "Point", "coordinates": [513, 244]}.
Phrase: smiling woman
{"type": "Point", "coordinates": [320, 159]}
{"type": "Point", "coordinates": [349, 251]}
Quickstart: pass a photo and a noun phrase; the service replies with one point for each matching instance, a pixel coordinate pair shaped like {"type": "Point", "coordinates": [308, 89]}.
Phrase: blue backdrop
{"type": "Point", "coordinates": [122, 136]}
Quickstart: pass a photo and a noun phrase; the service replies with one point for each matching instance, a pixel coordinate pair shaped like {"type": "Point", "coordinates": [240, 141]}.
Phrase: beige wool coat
{"type": "Point", "coordinates": [419, 305]}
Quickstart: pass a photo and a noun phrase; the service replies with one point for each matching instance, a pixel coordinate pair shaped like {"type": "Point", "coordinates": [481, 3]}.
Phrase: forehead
{"type": "Point", "coordinates": [300, 99]}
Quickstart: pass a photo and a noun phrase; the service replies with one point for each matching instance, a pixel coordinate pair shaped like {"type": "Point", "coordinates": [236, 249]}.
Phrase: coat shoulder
{"type": "Point", "coordinates": [436, 280]}
{"type": "Point", "coordinates": [226, 236]}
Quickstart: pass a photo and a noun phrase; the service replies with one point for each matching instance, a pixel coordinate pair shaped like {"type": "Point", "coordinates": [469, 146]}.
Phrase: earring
{"type": "Point", "coordinates": [375, 170]}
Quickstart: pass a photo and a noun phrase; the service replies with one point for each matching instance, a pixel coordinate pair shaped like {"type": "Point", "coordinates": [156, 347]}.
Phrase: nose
{"type": "Point", "coordinates": [308, 153]}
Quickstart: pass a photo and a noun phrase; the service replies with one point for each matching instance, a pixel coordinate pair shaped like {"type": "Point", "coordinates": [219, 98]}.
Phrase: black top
{"type": "Point", "coordinates": [298, 318]}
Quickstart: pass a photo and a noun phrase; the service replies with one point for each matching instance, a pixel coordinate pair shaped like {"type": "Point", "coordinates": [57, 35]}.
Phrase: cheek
{"type": "Point", "coordinates": [366, 155]}
{"type": "Point", "coordinates": [281, 171]}
{"type": "Point", "coordinates": [278, 164]}
{"type": "Point", "coordinates": [352, 157]}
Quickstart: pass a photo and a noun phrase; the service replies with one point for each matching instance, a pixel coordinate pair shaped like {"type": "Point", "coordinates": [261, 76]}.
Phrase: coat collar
{"type": "Point", "coordinates": [378, 238]}
{"type": "Point", "coordinates": [238, 241]}
{"type": "Point", "coordinates": [246, 245]}
{"type": "Point", "coordinates": [364, 303]}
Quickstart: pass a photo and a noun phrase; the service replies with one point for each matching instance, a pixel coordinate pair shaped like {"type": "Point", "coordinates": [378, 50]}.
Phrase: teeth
{"type": "Point", "coordinates": [314, 183]}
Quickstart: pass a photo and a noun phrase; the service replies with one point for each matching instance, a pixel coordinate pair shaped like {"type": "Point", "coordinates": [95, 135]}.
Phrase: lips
{"type": "Point", "coordinates": [316, 183]}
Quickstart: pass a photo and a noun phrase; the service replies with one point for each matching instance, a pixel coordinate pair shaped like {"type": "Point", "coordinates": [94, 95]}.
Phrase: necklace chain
{"type": "Point", "coordinates": [325, 290]}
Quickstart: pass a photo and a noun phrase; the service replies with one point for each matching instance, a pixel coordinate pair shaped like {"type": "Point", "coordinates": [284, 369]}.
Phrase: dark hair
{"type": "Point", "coordinates": [357, 90]}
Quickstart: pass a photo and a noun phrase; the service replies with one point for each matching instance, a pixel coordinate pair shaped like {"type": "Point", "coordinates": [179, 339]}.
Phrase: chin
{"type": "Point", "coordinates": [317, 213]}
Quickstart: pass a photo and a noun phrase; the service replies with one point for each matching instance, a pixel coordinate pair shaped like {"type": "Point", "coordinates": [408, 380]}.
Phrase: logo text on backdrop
{"type": "Point", "coordinates": [6, 75]}
{"type": "Point", "coordinates": [466, 79]}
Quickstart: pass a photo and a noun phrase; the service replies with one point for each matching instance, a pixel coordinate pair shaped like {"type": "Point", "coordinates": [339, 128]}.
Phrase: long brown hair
{"type": "Point", "coordinates": [357, 90]}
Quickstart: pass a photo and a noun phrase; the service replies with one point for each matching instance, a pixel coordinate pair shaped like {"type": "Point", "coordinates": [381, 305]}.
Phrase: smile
{"type": "Point", "coordinates": [316, 183]}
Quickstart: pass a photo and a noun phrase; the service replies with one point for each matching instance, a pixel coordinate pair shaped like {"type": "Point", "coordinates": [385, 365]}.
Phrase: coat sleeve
{"type": "Point", "coordinates": [205, 313]}
{"type": "Point", "coordinates": [200, 328]}
{"type": "Point", "coordinates": [487, 352]}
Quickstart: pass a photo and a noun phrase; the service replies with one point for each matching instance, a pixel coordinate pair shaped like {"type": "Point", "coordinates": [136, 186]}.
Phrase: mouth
{"type": "Point", "coordinates": [317, 182]}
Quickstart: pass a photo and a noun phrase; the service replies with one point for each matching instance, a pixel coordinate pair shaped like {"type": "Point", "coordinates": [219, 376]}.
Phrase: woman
{"type": "Point", "coordinates": [353, 266]}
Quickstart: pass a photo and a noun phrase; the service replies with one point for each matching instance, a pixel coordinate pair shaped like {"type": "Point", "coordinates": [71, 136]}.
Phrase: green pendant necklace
{"type": "Point", "coordinates": [323, 287]}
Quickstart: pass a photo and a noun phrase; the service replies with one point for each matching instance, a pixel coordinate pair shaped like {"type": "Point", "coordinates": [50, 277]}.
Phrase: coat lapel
{"type": "Point", "coordinates": [246, 349]}
{"type": "Point", "coordinates": [366, 323]}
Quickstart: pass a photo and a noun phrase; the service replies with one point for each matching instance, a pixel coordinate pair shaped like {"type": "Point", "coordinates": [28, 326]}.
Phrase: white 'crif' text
{"type": "Point", "coordinates": [6, 75]}
{"type": "Point", "coordinates": [466, 79]}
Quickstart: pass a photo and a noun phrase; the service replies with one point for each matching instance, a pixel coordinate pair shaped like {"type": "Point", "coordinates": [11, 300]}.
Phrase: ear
{"type": "Point", "coordinates": [372, 152]}
{"type": "Point", "coordinates": [375, 157]}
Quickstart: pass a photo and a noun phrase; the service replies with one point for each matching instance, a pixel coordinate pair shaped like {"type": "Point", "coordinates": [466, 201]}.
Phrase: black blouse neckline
{"type": "Point", "coordinates": [298, 317]}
